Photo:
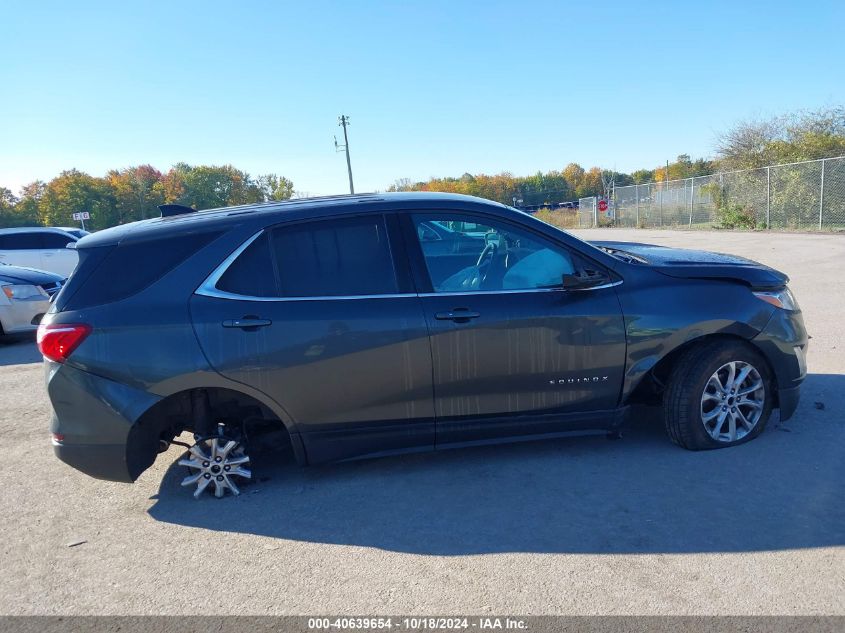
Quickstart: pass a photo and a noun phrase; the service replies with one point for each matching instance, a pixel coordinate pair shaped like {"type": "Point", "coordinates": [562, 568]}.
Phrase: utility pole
{"type": "Point", "coordinates": [343, 121]}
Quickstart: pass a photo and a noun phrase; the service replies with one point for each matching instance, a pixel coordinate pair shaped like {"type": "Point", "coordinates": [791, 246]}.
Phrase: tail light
{"type": "Point", "coordinates": [58, 340]}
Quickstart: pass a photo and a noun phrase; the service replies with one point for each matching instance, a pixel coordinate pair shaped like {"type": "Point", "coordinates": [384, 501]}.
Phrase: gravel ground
{"type": "Point", "coordinates": [575, 526]}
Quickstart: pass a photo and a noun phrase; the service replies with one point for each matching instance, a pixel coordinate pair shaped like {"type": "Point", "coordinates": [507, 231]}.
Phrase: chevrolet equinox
{"type": "Point", "coordinates": [374, 324]}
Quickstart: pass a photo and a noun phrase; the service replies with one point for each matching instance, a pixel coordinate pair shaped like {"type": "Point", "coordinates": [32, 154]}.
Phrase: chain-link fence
{"type": "Point", "coordinates": [802, 196]}
{"type": "Point", "coordinates": [587, 212]}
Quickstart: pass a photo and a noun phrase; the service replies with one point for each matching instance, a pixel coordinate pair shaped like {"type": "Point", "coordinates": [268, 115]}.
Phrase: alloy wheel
{"type": "Point", "coordinates": [216, 461]}
{"type": "Point", "coordinates": [733, 401]}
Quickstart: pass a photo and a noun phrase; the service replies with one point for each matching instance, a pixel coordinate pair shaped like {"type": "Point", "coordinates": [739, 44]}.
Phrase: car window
{"type": "Point", "coordinates": [106, 274]}
{"type": "Point", "coordinates": [325, 258]}
{"type": "Point", "coordinates": [251, 274]}
{"type": "Point", "coordinates": [490, 255]}
{"type": "Point", "coordinates": [55, 240]}
{"type": "Point", "coordinates": [335, 257]}
{"type": "Point", "coordinates": [427, 233]}
{"type": "Point", "coordinates": [20, 241]}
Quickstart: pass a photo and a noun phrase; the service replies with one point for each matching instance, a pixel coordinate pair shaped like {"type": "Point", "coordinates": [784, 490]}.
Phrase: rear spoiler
{"type": "Point", "coordinates": [169, 210]}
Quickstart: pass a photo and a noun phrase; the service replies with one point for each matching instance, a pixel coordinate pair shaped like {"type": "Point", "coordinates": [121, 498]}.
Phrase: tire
{"type": "Point", "coordinates": [700, 413]}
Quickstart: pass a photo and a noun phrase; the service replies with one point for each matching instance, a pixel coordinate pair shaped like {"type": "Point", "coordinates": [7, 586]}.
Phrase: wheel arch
{"type": "Point", "coordinates": [650, 385]}
{"type": "Point", "coordinates": [177, 412]}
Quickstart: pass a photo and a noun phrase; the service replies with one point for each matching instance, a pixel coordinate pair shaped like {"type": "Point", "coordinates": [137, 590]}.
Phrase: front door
{"type": "Point", "coordinates": [21, 248]}
{"type": "Point", "coordinates": [513, 352]}
{"type": "Point", "coordinates": [317, 315]}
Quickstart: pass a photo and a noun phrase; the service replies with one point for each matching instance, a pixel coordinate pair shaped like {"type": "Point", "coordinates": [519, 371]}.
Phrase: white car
{"type": "Point", "coordinates": [25, 297]}
{"type": "Point", "coordinates": [44, 248]}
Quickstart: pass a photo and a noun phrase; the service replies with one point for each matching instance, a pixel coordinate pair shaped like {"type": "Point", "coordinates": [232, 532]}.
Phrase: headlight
{"type": "Point", "coordinates": [22, 292]}
{"type": "Point", "coordinates": [779, 298]}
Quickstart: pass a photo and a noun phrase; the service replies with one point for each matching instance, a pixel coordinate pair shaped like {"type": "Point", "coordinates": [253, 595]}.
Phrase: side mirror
{"type": "Point", "coordinates": [571, 282]}
{"type": "Point", "coordinates": [584, 279]}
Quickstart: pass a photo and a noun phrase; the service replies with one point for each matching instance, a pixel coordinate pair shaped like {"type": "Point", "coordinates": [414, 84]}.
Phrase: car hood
{"type": "Point", "coordinates": [693, 264]}
{"type": "Point", "coordinates": [21, 275]}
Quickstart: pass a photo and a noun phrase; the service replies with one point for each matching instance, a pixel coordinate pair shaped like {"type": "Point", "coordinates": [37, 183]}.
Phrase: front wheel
{"type": "Point", "coordinates": [720, 395]}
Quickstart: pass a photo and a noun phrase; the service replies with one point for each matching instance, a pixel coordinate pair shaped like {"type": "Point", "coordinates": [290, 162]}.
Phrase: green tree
{"type": "Point", "coordinates": [135, 193]}
{"type": "Point", "coordinates": [273, 187]}
{"type": "Point", "coordinates": [805, 135]}
{"type": "Point", "coordinates": [212, 186]}
{"type": "Point", "coordinates": [75, 191]}
{"type": "Point", "coordinates": [8, 202]}
{"type": "Point", "coordinates": [28, 206]}
{"type": "Point", "coordinates": [574, 175]}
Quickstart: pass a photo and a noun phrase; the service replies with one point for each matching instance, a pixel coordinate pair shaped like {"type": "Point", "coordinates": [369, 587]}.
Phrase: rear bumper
{"type": "Point", "coordinates": [97, 420]}
{"type": "Point", "coordinates": [103, 461]}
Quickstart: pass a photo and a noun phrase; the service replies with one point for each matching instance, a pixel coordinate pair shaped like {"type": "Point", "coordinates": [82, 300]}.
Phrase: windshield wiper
{"type": "Point", "coordinates": [625, 256]}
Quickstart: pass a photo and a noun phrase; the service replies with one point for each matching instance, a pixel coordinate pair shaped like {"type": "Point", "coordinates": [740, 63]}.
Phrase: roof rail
{"type": "Point", "coordinates": [168, 210]}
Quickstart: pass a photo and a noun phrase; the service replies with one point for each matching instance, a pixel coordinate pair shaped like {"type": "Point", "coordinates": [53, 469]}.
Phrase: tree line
{"type": "Point", "coordinates": [134, 193]}
{"type": "Point", "coordinates": [805, 135]}
{"type": "Point", "coordinates": [569, 184]}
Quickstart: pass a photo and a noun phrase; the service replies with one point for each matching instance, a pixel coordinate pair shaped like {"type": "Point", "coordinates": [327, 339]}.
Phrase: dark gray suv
{"type": "Point", "coordinates": [374, 324]}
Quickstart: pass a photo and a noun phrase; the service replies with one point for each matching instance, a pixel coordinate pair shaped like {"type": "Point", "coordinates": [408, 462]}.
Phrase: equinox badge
{"type": "Point", "coordinates": [578, 381]}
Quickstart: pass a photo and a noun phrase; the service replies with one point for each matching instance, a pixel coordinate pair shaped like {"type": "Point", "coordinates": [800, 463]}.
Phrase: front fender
{"type": "Point", "coordinates": [660, 318]}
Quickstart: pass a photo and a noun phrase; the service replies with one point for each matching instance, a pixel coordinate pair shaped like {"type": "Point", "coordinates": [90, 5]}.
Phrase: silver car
{"type": "Point", "coordinates": [24, 297]}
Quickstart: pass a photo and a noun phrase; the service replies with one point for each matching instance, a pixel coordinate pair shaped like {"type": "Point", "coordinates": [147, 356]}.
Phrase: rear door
{"type": "Point", "coordinates": [321, 316]}
{"type": "Point", "coordinates": [56, 257]}
{"type": "Point", "coordinates": [513, 352]}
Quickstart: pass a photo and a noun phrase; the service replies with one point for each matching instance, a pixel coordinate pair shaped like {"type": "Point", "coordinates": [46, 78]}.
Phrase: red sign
{"type": "Point", "coordinates": [602, 205]}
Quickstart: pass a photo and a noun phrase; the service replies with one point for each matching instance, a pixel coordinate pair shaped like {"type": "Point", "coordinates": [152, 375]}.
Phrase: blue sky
{"type": "Point", "coordinates": [432, 88]}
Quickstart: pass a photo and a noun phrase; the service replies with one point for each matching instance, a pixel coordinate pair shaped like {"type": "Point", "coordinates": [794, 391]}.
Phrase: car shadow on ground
{"type": "Point", "coordinates": [640, 494]}
{"type": "Point", "coordinates": [18, 349]}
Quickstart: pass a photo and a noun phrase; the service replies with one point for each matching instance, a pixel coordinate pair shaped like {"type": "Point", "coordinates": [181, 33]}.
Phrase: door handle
{"type": "Point", "coordinates": [247, 323]}
{"type": "Point", "coordinates": [458, 315]}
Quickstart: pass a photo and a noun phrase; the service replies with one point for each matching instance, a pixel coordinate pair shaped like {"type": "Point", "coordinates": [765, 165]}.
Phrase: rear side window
{"type": "Point", "coordinates": [251, 274]}
{"type": "Point", "coordinates": [55, 240]}
{"type": "Point", "coordinates": [121, 271]}
{"type": "Point", "coordinates": [21, 242]}
{"type": "Point", "coordinates": [338, 257]}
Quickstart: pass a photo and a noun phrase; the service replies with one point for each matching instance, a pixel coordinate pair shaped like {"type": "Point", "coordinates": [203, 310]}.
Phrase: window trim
{"type": "Point", "coordinates": [517, 291]}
